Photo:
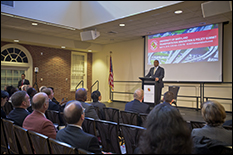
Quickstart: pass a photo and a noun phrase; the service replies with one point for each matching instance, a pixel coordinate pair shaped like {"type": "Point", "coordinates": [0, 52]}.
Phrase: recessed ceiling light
{"type": "Point", "coordinates": [16, 40]}
{"type": "Point", "coordinates": [63, 47]}
{"type": "Point", "coordinates": [178, 11]}
{"type": "Point", "coordinates": [122, 24]}
{"type": "Point", "coordinates": [89, 50]}
{"type": "Point", "coordinates": [34, 24]}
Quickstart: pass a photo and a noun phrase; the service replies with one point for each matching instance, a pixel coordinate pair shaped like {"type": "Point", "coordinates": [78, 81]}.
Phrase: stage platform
{"type": "Point", "coordinates": [188, 114]}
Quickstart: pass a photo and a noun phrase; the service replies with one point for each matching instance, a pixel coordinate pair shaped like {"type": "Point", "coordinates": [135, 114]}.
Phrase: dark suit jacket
{"type": "Point", "coordinates": [38, 123]}
{"type": "Point", "coordinates": [89, 109]}
{"type": "Point", "coordinates": [18, 115]}
{"type": "Point", "coordinates": [76, 137]}
{"type": "Point", "coordinates": [137, 106]}
{"type": "Point", "coordinates": [217, 133]}
{"type": "Point", "coordinates": [54, 106]}
{"type": "Point", "coordinates": [100, 106]}
{"type": "Point", "coordinates": [26, 82]}
{"type": "Point", "coordinates": [159, 74]}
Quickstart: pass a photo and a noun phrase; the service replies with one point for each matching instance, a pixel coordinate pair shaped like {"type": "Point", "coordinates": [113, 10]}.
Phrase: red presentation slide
{"type": "Point", "coordinates": [199, 39]}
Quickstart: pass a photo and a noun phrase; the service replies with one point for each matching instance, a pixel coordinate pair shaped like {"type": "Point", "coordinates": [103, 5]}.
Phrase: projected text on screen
{"type": "Point", "coordinates": [197, 44]}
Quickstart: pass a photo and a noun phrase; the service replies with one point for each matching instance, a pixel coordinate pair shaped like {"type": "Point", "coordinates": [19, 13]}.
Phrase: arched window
{"type": "Point", "coordinates": [14, 55]}
{"type": "Point", "coordinates": [15, 60]}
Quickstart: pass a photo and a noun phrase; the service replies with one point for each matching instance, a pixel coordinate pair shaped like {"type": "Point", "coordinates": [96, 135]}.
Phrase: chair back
{"type": "Point", "coordinates": [10, 135]}
{"type": "Point", "coordinates": [129, 117]}
{"type": "Point", "coordinates": [53, 116]}
{"type": "Point", "coordinates": [196, 124]}
{"type": "Point", "coordinates": [58, 147]}
{"type": "Point", "coordinates": [82, 151]}
{"type": "Point", "coordinates": [131, 135]}
{"type": "Point", "coordinates": [23, 138]}
{"type": "Point", "coordinates": [89, 126]}
{"type": "Point", "coordinates": [39, 142]}
{"type": "Point", "coordinates": [7, 107]}
{"type": "Point", "coordinates": [63, 118]}
{"type": "Point", "coordinates": [111, 114]}
{"type": "Point", "coordinates": [228, 127]}
{"type": "Point", "coordinates": [4, 143]}
{"type": "Point", "coordinates": [175, 90]}
{"type": "Point", "coordinates": [108, 132]}
{"type": "Point", "coordinates": [142, 116]}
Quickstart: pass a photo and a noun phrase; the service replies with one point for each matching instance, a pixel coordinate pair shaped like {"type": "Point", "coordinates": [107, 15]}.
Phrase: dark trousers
{"type": "Point", "coordinates": [158, 92]}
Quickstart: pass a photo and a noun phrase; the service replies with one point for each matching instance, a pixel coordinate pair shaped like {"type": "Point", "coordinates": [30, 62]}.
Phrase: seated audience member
{"type": "Point", "coordinates": [73, 134]}
{"type": "Point", "coordinates": [52, 105]}
{"type": "Point", "coordinates": [25, 87]}
{"type": "Point", "coordinates": [168, 98]}
{"type": "Point", "coordinates": [96, 97]}
{"type": "Point", "coordinates": [166, 132]}
{"type": "Point", "coordinates": [41, 88]}
{"type": "Point", "coordinates": [54, 100]}
{"type": "Point", "coordinates": [21, 102]}
{"type": "Point", "coordinates": [37, 121]}
{"type": "Point", "coordinates": [81, 96]}
{"type": "Point", "coordinates": [4, 98]}
{"type": "Point", "coordinates": [31, 92]}
{"type": "Point", "coordinates": [214, 115]}
{"type": "Point", "coordinates": [11, 90]}
{"type": "Point", "coordinates": [136, 105]}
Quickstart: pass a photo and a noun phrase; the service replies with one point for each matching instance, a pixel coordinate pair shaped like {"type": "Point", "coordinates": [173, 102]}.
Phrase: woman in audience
{"type": "Point", "coordinates": [214, 115]}
{"type": "Point", "coordinates": [166, 133]}
{"type": "Point", "coordinates": [96, 97]}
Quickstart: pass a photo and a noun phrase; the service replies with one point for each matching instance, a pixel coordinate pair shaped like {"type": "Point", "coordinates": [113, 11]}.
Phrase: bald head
{"type": "Point", "coordinates": [39, 100]}
{"type": "Point", "coordinates": [138, 94]}
{"type": "Point", "coordinates": [73, 112]}
{"type": "Point", "coordinates": [81, 94]}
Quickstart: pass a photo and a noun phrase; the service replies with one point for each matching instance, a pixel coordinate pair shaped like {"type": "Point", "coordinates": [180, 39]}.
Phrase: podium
{"type": "Point", "coordinates": [150, 91]}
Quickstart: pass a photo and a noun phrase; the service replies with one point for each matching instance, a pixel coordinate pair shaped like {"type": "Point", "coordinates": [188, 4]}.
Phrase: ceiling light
{"type": "Point", "coordinates": [63, 47]}
{"type": "Point", "coordinates": [16, 40]}
{"type": "Point", "coordinates": [34, 24]}
{"type": "Point", "coordinates": [122, 24]}
{"type": "Point", "coordinates": [178, 11]}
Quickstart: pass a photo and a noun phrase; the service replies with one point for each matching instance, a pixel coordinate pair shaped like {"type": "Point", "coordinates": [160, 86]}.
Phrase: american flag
{"type": "Point", "coordinates": [110, 78]}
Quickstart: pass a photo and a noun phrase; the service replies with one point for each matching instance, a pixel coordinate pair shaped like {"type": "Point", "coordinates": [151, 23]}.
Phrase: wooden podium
{"type": "Point", "coordinates": [149, 87]}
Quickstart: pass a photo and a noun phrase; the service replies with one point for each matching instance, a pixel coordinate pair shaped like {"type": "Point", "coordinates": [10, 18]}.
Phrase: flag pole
{"type": "Point", "coordinates": [110, 101]}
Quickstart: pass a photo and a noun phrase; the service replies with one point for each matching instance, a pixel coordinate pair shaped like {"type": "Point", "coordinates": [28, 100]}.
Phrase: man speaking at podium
{"type": "Point", "coordinates": [157, 72]}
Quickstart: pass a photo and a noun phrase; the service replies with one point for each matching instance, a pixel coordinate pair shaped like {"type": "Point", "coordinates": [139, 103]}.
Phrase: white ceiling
{"type": "Point", "coordinates": [151, 22]}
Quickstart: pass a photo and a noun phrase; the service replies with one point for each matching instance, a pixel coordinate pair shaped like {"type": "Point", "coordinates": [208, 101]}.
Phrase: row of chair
{"type": "Point", "coordinates": [111, 114]}
{"type": "Point", "coordinates": [16, 140]}
{"type": "Point", "coordinates": [108, 132]}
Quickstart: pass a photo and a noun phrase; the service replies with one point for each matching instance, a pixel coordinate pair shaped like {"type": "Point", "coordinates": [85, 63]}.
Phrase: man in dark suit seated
{"type": "Point", "coordinates": [81, 96]}
{"type": "Point", "coordinates": [20, 101]}
{"type": "Point", "coordinates": [52, 105]}
{"type": "Point", "coordinates": [23, 81]}
{"type": "Point", "coordinates": [73, 134]}
{"type": "Point", "coordinates": [168, 98]}
{"type": "Point", "coordinates": [136, 105]}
